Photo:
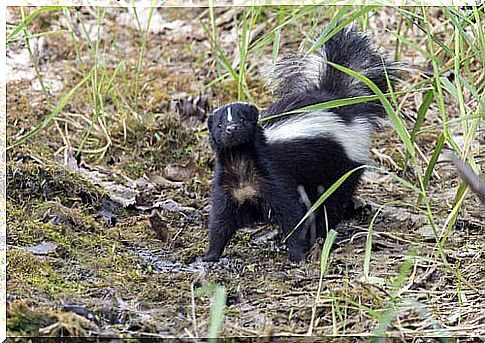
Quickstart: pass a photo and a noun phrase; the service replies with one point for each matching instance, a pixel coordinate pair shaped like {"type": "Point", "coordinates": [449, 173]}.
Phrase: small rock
{"type": "Point", "coordinates": [44, 248]}
{"type": "Point", "coordinates": [107, 212]}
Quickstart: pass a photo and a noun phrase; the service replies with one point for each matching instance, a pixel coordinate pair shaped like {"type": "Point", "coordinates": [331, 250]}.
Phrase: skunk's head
{"type": "Point", "coordinates": [233, 125]}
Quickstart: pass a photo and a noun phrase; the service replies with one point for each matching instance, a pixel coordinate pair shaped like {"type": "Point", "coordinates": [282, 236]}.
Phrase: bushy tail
{"type": "Point", "coordinates": [310, 74]}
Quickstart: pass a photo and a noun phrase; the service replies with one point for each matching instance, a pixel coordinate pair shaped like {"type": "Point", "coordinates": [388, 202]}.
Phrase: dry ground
{"type": "Point", "coordinates": [80, 263]}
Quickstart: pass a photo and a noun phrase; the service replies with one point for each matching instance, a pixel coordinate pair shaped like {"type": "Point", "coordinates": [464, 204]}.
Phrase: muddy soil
{"type": "Point", "coordinates": [107, 241]}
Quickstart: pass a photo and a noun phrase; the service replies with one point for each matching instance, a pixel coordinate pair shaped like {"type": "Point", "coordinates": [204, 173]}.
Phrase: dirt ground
{"type": "Point", "coordinates": [106, 242]}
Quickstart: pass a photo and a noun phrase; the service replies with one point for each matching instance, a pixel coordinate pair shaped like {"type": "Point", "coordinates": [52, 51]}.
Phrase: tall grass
{"type": "Point", "coordinates": [324, 262]}
{"type": "Point", "coordinates": [33, 58]}
{"type": "Point", "coordinates": [463, 47]}
{"type": "Point", "coordinates": [98, 82]}
{"type": "Point", "coordinates": [217, 309]}
{"type": "Point", "coordinates": [146, 31]}
{"type": "Point", "coordinates": [453, 81]}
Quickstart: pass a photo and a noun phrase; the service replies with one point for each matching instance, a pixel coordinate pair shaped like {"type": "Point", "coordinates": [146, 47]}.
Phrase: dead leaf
{"type": "Point", "coordinates": [163, 182]}
{"type": "Point", "coordinates": [159, 226]}
{"type": "Point", "coordinates": [193, 110]}
{"type": "Point", "coordinates": [179, 172]}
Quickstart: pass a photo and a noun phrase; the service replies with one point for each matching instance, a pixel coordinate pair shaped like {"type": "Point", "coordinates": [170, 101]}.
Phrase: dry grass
{"type": "Point", "coordinates": [126, 281]}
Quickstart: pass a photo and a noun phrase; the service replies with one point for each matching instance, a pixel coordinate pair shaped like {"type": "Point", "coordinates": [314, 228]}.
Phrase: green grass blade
{"type": "Point", "coordinates": [55, 112]}
{"type": "Point", "coordinates": [438, 85]}
{"type": "Point", "coordinates": [217, 308]}
{"type": "Point", "coordinates": [428, 317]}
{"type": "Point", "coordinates": [217, 312]}
{"type": "Point", "coordinates": [397, 283]}
{"type": "Point", "coordinates": [337, 103]}
{"type": "Point", "coordinates": [423, 108]}
{"type": "Point", "coordinates": [368, 243]}
{"type": "Point", "coordinates": [259, 43]}
{"type": "Point", "coordinates": [451, 219]}
{"type": "Point", "coordinates": [221, 56]}
{"type": "Point", "coordinates": [29, 19]}
{"type": "Point", "coordinates": [325, 196]}
{"type": "Point", "coordinates": [432, 162]}
{"type": "Point", "coordinates": [33, 60]}
{"type": "Point", "coordinates": [141, 55]}
{"type": "Point", "coordinates": [327, 245]}
{"type": "Point", "coordinates": [459, 26]}
{"type": "Point", "coordinates": [395, 119]}
{"type": "Point", "coordinates": [324, 257]}
{"type": "Point", "coordinates": [276, 46]}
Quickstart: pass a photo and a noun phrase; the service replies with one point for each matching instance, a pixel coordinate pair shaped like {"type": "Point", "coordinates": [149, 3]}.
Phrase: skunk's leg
{"type": "Point", "coordinates": [297, 247]}
{"type": "Point", "coordinates": [287, 212]}
{"type": "Point", "coordinates": [333, 211]}
{"type": "Point", "coordinates": [222, 224]}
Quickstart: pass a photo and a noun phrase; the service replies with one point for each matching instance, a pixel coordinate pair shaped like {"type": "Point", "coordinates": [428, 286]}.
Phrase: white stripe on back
{"type": "Point", "coordinates": [354, 137]}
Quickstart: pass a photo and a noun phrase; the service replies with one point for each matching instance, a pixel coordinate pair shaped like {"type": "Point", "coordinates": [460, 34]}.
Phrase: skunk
{"type": "Point", "coordinates": [261, 167]}
{"type": "Point", "coordinates": [249, 184]}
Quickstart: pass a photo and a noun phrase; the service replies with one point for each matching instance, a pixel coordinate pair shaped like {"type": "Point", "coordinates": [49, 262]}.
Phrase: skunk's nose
{"type": "Point", "coordinates": [231, 129]}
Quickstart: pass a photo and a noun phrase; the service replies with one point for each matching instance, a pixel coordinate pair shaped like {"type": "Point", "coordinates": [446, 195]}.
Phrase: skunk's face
{"type": "Point", "coordinates": [232, 125]}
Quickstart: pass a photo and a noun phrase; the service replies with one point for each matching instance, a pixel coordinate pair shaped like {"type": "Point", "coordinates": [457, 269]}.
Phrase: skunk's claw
{"type": "Point", "coordinates": [210, 257]}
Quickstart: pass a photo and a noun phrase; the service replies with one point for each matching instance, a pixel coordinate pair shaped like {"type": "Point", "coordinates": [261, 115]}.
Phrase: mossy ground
{"type": "Point", "coordinates": [131, 283]}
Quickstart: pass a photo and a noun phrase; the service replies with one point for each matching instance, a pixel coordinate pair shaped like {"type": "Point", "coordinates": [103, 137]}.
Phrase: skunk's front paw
{"type": "Point", "coordinates": [211, 257]}
{"type": "Point", "coordinates": [297, 255]}
{"type": "Point", "coordinates": [298, 250]}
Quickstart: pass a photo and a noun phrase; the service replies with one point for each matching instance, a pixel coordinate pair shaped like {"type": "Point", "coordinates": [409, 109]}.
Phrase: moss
{"type": "Point", "coordinates": [79, 218]}
{"type": "Point", "coordinates": [22, 320]}
{"type": "Point", "coordinates": [134, 169]}
{"type": "Point", "coordinates": [50, 221]}
{"type": "Point", "coordinates": [29, 180]}
{"type": "Point", "coordinates": [151, 144]}
{"type": "Point", "coordinates": [25, 234]}
{"type": "Point", "coordinates": [26, 271]}
{"type": "Point", "coordinates": [21, 262]}
{"type": "Point", "coordinates": [86, 250]}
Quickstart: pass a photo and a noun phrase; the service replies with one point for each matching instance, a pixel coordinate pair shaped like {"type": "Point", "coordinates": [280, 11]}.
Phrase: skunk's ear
{"type": "Point", "coordinates": [253, 112]}
{"type": "Point", "coordinates": [212, 133]}
{"type": "Point", "coordinates": [210, 119]}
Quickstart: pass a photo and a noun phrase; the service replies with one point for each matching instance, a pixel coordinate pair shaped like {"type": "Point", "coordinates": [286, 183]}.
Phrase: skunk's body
{"type": "Point", "coordinates": [249, 186]}
{"type": "Point", "coordinates": [259, 169]}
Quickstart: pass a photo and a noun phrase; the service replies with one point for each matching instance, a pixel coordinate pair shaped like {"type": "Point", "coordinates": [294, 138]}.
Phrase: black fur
{"type": "Point", "coordinates": [243, 159]}
{"type": "Point", "coordinates": [257, 182]}
{"type": "Point", "coordinates": [349, 48]}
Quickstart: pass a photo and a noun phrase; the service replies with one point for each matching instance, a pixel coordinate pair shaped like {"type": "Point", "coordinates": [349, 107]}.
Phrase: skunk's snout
{"type": "Point", "coordinates": [231, 129]}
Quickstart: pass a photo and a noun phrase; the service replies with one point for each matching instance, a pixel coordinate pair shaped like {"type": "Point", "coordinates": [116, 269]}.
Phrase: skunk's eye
{"type": "Point", "coordinates": [242, 120]}
{"type": "Point", "coordinates": [219, 125]}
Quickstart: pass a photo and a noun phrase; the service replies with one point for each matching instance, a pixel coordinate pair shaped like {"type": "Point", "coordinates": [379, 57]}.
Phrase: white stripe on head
{"type": "Point", "coordinates": [233, 103]}
{"type": "Point", "coordinates": [229, 116]}
{"type": "Point", "coordinates": [353, 137]}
